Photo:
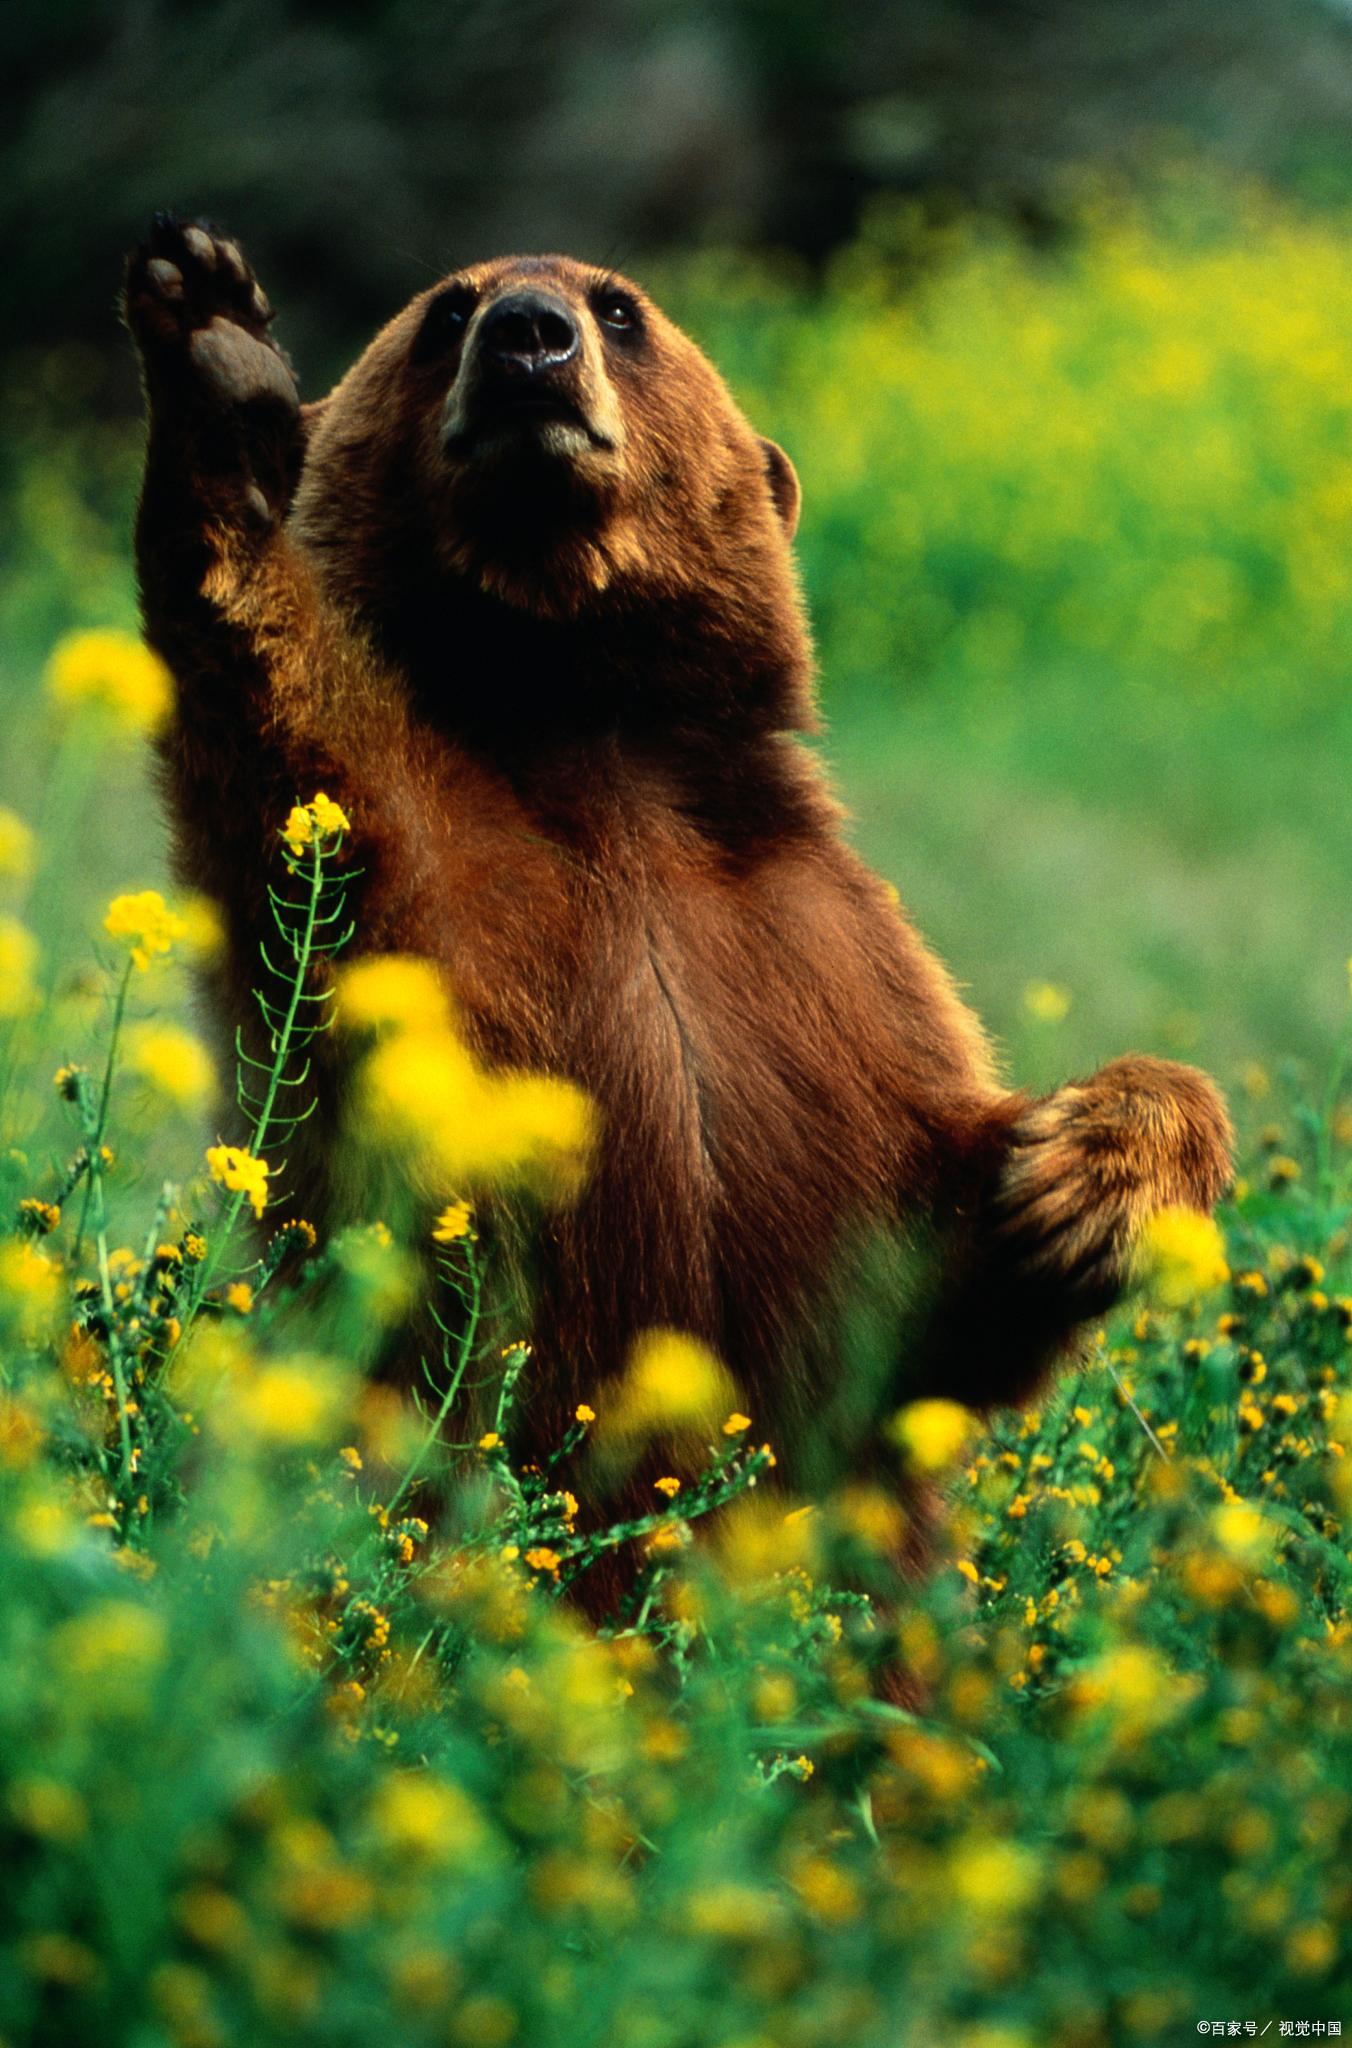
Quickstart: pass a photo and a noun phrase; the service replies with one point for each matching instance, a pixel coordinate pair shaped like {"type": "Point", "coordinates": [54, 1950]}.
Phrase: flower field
{"type": "Point", "coordinates": [303, 1736]}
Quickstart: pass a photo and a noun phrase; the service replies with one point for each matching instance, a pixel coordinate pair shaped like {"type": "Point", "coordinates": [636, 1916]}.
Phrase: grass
{"type": "Point", "coordinates": [1180, 879]}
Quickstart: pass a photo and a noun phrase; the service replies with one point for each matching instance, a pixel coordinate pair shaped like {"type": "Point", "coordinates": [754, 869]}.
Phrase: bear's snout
{"type": "Point", "coordinates": [527, 386]}
{"type": "Point", "coordinates": [525, 333]}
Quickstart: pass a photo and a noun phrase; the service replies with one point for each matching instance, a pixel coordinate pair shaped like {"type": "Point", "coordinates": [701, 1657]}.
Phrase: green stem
{"type": "Point", "coordinates": [281, 1051]}
{"type": "Point", "coordinates": [433, 1431]}
{"type": "Point", "coordinates": [1121, 1386]}
{"type": "Point", "coordinates": [94, 1135]}
{"type": "Point", "coordinates": [95, 1185]}
{"type": "Point", "coordinates": [282, 1043]}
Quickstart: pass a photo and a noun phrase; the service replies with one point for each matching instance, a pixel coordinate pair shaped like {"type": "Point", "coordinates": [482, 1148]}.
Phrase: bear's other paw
{"type": "Point", "coordinates": [1086, 1166]}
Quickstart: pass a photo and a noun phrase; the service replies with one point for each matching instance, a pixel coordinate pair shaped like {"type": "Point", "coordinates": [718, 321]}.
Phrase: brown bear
{"type": "Point", "coordinates": [520, 595]}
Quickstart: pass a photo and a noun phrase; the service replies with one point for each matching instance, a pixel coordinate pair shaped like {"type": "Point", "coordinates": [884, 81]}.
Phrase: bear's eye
{"type": "Point", "coordinates": [446, 320]}
{"type": "Point", "coordinates": [617, 310]}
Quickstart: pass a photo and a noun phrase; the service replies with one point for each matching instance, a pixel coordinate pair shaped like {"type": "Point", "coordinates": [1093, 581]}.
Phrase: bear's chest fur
{"type": "Point", "coordinates": [758, 1034]}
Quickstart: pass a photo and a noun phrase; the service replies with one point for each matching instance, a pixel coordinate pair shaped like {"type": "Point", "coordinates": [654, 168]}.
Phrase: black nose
{"type": "Point", "coordinates": [529, 331]}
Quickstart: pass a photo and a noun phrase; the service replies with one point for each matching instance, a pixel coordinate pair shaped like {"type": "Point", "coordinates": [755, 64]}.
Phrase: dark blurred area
{"type": "Point", "coordinates": [359, 150]}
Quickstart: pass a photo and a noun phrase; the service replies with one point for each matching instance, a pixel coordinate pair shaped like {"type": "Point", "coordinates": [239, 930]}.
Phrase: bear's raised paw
{"type": "Point", "coordinates": [201, 318]}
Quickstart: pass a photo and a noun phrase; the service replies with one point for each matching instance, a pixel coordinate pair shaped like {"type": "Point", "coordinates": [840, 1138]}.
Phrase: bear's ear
{"type": "Point", "coordinates": [785, 488]}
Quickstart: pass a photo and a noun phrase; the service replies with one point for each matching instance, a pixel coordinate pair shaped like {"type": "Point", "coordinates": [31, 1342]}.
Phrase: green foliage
{"type": "Point", "coordinates": [301, 1742]}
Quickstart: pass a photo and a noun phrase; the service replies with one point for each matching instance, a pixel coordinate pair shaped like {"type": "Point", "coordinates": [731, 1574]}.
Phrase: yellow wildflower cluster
{"type": "Point", "coordinates": [1128, 454]}
{"type": "Point", "coordinates": [237, 1170]}
{"type": "Point", "coordinates": [426, 1095]}
{"type": "Point", "coordinates": [284, 1404]}
{"type": "Point", "coordinates": [19, 954]}
{"type": "Point", "coordinates": [673, 1382]}
{"type": "Point", "coordinates": [321, 819]}
{"type": "Point", "coordinates": [173, 1062]}
{"type": "Point", "coordinates": [30, 1285]}
{"type": "Point", "coordinates": [1047, 1002]}
{"type": "Point", "coordinates": [16, 846]}
{"type": "Point", "coordinates": [112, 672]}
{"type": "Point", "coordinates": [1180, 1256]}
{"type": "Point", "coordinates": [453, 1224]}
{"type": "Point", "coordinates": [145, 924]}
{"type": "Point", "coordinates": [932, 1434]}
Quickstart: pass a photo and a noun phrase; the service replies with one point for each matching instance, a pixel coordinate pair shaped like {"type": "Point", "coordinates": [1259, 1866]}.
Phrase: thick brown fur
{"type": "Point", "coordinates": [552, 659]}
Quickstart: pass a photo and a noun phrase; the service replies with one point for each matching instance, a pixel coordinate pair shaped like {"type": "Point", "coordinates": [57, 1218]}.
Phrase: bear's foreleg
{"type": "Point", "coordinates": [1068, 1184]}
{"type": "Point", "coordinates": [227, 599]}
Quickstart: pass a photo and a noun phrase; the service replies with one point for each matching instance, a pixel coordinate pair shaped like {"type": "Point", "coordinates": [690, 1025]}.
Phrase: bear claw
{"type": "Point", "coordinates": [200, 244]}
{"type": "Point", "coordinates": [165, 276]}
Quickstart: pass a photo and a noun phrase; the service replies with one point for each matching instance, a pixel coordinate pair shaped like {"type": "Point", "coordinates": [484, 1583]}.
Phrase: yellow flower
{"type": "Point", "coordinates": [235, 1169]}
{"type": "Point", "coordinates": [285, 1405]}
{"type": "Point", "coordinates": [240, 1297]}
{"type": "Point", "coordinates": [16, 845]}
{"type": "Point", "coordinates": [1311, 1948]}
{"type": "Point", "coordinates": [418, 1816]}
{"type": "Point", "coordinates": [993, 1877]}
{"type": "Point", "coordinates": [392, 989]}
{"type": "Point", "coordinates": [1242, 1531]}
{"type": "Point", "coordinates": [1047, 1002]}
{"type": "Point", "coordinates": [672, 1381]}
{"type": "Point", "coordinates": [172, 1061]}
{"type": "Point", "coordinates": [453, 1224]}
{"type": "Point", "coordinates": [542, 1559]}
{"type": "Point", "coordinates": [203, 932]}
{"type": "Point", "coordinates": [870, 1516]}
{"type": "Point", "coordinates": [736, 1424]}
{"type": "Point", "coordinates": [330, 818]}
{"type": "Point", "coordinates": [299, 829]}
{"type": "Point", "coordinates": [735, 1912]}
{"type": "Point", "coordinates": [1133, 1687]}
{"type": "Point", "coordinates": [18, 960]}
{"type": "Point", "coordinates": [21, 1434]}
{"type": "Point", "coordinates": [424, 1092]}
{"type": "Point", "coordinates": [932, 1434]}
{"type": "Point", "coordinates": [29, 1284]}
{"type": "Point", "coordinates": [146, 922]}
{"type": "Point", "coordinates": [489, 1441]}
{"type": "Point", "coordinates": [1180, 1256]}
{"type": "Point", "coordinates": [109, 1637]}
{"type": "Point", "coordinates": [670, 1487]}
{"type": "Point", "coordinates": [583, 1413]}
{"type": "Point", "coordinates": [112, 672]}
{"type": "Point", "coordinates": [321, 818]}
{"type": "Point", "coordinates": [826, 1890]}
{"type": "Point", "coordinates": [44, 1806]}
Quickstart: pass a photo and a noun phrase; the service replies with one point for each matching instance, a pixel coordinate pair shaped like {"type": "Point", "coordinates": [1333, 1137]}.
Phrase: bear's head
{"type": "Point", "coordinates": [535, 436]}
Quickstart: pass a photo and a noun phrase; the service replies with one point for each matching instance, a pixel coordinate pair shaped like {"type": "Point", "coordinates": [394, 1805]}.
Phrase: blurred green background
{"type": "Point", "coordinates": [1052, 308]}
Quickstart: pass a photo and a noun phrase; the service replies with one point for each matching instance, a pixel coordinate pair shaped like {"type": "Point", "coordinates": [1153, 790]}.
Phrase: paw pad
{"type": "Point", "coordinates": [197, 311]}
